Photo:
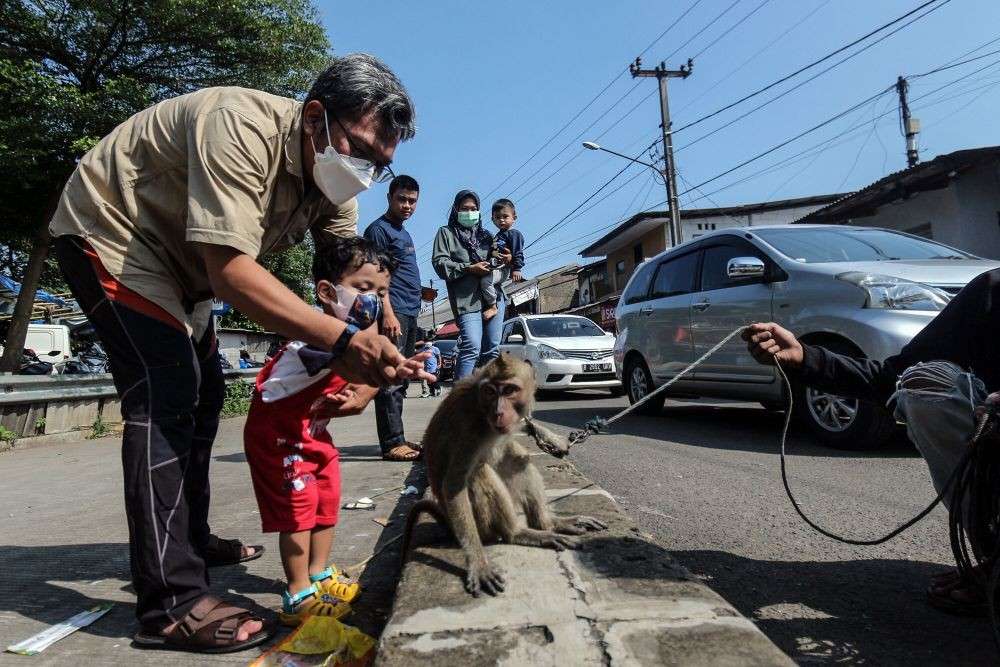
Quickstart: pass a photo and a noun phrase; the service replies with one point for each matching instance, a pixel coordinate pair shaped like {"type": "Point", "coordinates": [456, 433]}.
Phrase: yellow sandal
{"type": "Point", "coordinates": [329, 582]}
{"type": "Point", "coordinates": [312, 601]}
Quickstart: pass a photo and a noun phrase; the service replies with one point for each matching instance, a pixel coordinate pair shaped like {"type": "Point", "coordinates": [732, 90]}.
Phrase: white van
{"type": "Point", "coordinates": [46, 338]}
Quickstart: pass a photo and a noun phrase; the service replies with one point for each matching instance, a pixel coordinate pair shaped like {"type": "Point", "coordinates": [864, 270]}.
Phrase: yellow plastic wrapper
{"type": "Point", "coordinates": [321, 641]}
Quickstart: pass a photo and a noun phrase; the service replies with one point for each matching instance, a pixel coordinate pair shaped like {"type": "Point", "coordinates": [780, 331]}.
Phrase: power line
{"type": "Point", "coordinates": [746, 62]}
{"type": "Point", "coordinates": [964, 62]}
{"type": "Point", "coordinates": [703, 29]}
{"type": "Point", "coordinates": [814, 63]}
{"type": "Point", "coordinates": [795, 138]}
{"type": "Point", "coordinates": [853, 129]}
{"type": "Point", "coordinates": [708, 25]}
{"type": "Point", "coordinates": [599, 136]}
{"type": "Point", "coordinates": [821, 146]}
{"type": "Point", "coordinates": [559, 222]}
{"type": "Point", "coordinates": [592, 100]}
{"type": "Point", "coordinates": [730, 29]}
{"type": "Point", "coordinates": [803, 83]}
{"type": "Point", "coordinates": [574, 139]}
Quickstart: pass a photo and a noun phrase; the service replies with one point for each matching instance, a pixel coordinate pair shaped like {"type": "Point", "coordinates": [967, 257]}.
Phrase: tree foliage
{"type": "Point", "coordinates": [71, 70]}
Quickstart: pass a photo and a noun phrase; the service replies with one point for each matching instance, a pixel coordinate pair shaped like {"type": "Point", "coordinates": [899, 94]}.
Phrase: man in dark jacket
{"type": "Point", "coordinates": [936, 382]}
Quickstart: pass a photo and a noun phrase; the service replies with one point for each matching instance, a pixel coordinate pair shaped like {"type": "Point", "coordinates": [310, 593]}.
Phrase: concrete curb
{"type": "Point", "coordinates": [619, 600]}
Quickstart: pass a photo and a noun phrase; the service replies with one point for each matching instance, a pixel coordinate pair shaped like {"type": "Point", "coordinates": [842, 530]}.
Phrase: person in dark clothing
{"type": "Point", "coordinates": [508, 238]}
{"type": "Point", "coordinates": [400, 309]}
{"type": "Point", "coordinates": [936, 382]}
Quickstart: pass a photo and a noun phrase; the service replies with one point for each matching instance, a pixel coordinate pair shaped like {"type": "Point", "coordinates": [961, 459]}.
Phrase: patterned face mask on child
{"type": "Point", "coordinates": [361, 309]}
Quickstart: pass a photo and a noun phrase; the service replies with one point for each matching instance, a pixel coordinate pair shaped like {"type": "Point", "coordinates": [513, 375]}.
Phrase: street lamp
{"type": "Point", "coordinates": [673, 233]}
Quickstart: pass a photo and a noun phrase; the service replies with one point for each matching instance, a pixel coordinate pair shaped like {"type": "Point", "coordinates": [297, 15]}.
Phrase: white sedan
{"type": "Point", "coordinates": [566, 351]}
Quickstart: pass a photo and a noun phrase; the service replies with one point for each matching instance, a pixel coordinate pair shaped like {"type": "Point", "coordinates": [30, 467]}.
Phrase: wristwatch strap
{"type": "Point", "coordinates": [340, 345]}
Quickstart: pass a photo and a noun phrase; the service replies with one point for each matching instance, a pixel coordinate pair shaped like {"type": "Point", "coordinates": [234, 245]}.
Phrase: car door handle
{"type": "Point", "coordinates": [646, 310]}
{"type": "Point", "coordinates": [701, 305]}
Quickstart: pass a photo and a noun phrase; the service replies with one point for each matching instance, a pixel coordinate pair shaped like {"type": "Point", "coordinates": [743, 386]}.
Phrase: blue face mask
{"type": "Point", "coordinates": [362, 309]}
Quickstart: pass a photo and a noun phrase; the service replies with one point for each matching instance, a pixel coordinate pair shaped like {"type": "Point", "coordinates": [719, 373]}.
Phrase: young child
{"type": "Point", "coordinates": [507, 239]}
{"type": "Point", "coordinates": [293, 463]}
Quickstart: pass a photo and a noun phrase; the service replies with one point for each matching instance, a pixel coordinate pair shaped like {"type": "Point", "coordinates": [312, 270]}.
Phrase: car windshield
{"type": "Point", "coordinates": [818, 245]}
{"type": "Point", "coordinates": [446, 346]}
{"type": "Point", "coordinates": [563, 327]}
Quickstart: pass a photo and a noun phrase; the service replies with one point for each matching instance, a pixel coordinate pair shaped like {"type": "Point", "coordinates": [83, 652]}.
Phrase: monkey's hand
{"type": "Point", "coordinates": [548, 441]}
{"type": "Point", "coordinates": [578, 525]}
{"type": "Point", "coordinates": [482, 576]}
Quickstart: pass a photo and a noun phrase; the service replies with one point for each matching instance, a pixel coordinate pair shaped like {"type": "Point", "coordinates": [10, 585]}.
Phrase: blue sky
{"type": "Point", "coordinates": [493, 81]}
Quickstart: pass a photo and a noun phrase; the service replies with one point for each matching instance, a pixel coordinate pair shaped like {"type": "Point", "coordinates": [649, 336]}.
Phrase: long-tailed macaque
{"type": "Point", "coordinates": [485, 487]}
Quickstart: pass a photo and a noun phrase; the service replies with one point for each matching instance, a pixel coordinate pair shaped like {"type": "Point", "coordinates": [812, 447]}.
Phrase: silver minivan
{"type": "Point", "coordinates": [855, 290]}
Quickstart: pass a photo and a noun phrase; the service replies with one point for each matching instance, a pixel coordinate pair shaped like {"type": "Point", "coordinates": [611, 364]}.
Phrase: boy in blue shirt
{"type": "Point", "coordinates": [507, 239]}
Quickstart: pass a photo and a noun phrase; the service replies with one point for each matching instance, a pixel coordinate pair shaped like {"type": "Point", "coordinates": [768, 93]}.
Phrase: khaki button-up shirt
{"type": "Point", "coordinates": [221, 166]}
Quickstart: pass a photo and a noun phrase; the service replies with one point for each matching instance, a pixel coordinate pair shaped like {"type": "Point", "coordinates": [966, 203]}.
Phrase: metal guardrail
{"type": "Point", "coordinates": [19, 389]}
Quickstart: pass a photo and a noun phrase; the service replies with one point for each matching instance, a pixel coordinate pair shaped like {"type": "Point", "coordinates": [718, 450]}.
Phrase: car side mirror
{"type": "Point", "coordinates": [515, 339]}
{"type": "Point", "coordinates": [745, 267]}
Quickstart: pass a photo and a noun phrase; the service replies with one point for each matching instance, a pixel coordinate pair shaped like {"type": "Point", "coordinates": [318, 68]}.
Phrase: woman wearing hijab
{"type": "Point", "coordinates": [461, 253]}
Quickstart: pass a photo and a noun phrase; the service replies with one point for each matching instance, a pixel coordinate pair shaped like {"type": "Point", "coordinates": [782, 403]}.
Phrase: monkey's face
{"type": "Point", "coordinates": [504, 402]}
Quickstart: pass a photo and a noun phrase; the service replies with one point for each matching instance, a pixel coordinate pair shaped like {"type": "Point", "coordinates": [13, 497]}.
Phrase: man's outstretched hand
{"type": "Point", "coordinates": [769, 340]}
{"type": "Point", "coordinates": [374, 360]}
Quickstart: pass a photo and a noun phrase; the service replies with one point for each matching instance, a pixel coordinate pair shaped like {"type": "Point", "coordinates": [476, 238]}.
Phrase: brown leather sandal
{"type": "Point", "coordinates": [220, 552]}
{"type": "Point", "coordinates": [402, 453]}
{"type": "Point", "coordinates": [211, 626]}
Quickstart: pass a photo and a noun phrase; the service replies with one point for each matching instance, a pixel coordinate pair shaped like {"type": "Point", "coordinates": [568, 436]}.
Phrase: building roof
{"type": "Point", "coordinates": [640, 223]}
{"type": "Point", "coordinates": [932, 175]}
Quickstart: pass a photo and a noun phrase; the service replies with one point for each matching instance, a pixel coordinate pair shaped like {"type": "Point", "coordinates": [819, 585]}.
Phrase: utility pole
{"type": "Point", "coordinates": [434, 321]}
{"type": "Point", "coordinates": [911, 126]}
{"type": "Point", "coordinates": [670, 172]}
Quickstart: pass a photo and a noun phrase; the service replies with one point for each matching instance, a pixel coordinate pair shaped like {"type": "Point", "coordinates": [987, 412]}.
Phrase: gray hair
{"type": "Point", "coordinates": [355, 84]}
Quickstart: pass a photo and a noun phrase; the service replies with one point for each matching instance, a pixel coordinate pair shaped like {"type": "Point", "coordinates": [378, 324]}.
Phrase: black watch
{"type": "Point", "coordinates": [340, 345]}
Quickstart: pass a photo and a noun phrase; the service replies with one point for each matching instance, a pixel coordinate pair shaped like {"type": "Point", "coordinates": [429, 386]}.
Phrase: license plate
{"type": "Point", "coordinates": [596, 368]}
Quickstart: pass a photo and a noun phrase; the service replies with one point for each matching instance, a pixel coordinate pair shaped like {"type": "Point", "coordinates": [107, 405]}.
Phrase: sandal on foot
{"type": "Point", "coordinates": [961, 599]}
{"type": "Point", "coordinates": [212, 626]}
{"type": "Point", "coordinates": [403, 453]}
{"type": "Point", "coordinates": [312, 601]}
{"type": "Point", "coordinates": [219, 552]}
{"type": "Point", "coordinates": [329, 582]}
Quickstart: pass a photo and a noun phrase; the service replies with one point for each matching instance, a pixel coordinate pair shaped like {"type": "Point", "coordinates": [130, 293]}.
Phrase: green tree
{"type": "Point", "coordinates": [292, 267]}
{"type": "Point", "coordinates": [71, 70]}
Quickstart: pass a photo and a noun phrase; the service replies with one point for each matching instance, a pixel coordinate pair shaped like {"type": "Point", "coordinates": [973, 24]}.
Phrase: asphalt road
{"type": "Point", "coordinates": [704, 479]}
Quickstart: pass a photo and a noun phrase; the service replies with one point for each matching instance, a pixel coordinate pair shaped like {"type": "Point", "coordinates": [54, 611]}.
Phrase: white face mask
{"type": "Point", "coordinates": [340, 177]}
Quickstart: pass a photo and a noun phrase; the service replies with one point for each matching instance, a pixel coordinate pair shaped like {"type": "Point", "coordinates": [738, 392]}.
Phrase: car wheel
{"type": "Point", "coordinates": [617, 391]}
{"type": "Point", "coordinates": [638, 384]}
{"type": "Point", "coordinates": [839, 422]}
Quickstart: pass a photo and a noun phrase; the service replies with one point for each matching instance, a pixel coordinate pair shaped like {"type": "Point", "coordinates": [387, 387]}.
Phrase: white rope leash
{"type": "Point", "coordinates": [595, 425]}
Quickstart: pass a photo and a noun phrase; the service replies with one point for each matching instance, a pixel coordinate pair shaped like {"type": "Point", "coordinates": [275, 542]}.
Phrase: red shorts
{"type": "Point", "coordinates": [294, 464]}
{"type": "Point", "coordinates": [297, 484]}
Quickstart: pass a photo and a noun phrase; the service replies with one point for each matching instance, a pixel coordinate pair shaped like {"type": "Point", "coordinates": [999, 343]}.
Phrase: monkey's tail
{"type": "Point", "coordinates": [421, 506]}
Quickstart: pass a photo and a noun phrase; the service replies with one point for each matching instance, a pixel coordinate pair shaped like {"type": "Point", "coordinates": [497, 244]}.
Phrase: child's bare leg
{"type": "Point", "coordinates": [296, 559]}
{"type": "Point", "coordinates": [320, 543]}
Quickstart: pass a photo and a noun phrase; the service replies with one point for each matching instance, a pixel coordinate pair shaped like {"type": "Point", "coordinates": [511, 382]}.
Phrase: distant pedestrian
{"type": "Point", "coordinates": [431, 365]}
{"type": "Point", "coordinates": [400, 309]}
{"type": "Point", "coordinates": [460, 257]}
